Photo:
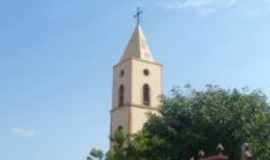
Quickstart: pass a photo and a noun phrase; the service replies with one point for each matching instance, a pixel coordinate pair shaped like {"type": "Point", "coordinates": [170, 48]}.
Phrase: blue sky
{"type": "Point", "coordinates": [56, 61]}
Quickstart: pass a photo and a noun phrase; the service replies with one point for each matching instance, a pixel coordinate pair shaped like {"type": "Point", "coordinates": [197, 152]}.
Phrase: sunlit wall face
{"type": "Point", "coordinates": [56, 59]}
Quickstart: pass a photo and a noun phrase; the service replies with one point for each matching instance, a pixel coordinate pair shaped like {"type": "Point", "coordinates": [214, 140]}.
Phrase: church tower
{"type": "Point", "coordinates": [137, 85]}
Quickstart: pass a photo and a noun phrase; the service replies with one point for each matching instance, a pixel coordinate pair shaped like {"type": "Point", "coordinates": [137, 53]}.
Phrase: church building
{"type": "Point", "coordinates": [137, 85]}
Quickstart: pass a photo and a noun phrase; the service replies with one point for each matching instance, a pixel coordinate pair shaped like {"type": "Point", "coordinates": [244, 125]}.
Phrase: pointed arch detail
{"type": "Point", "coordinates": [121, 95]}
{"type": "Point", "coordinates": [146, 95]}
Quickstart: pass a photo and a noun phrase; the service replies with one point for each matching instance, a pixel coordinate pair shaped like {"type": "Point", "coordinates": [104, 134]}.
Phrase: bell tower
{"type": "Point", "coordinates": [137, 85]}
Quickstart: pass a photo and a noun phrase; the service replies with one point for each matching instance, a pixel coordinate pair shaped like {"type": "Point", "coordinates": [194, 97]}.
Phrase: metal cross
{"type": "Point", "coordinates": [138, 15]}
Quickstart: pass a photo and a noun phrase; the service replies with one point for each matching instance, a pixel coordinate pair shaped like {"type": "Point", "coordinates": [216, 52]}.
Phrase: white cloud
{"type": "Point", "coordinates": [24, 132]}
{"type": "Point", "coordinates": [205, 3]}
{"type": "Point", "coordinates": [202, 6]}
{"type": "Point", "coordinates": [251, 12]}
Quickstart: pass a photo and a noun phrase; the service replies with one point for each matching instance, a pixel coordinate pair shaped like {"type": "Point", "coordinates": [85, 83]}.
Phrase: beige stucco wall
{"type": "Point", "coordinates": [120, 117]}
{"type": "Point", "coordinates": [133, 114]}
{"type": "Point", "coordinates": [138, 117]}
{"type": "Point", "coordinates": [138, 79]}
{"type": "Point", "coordinates": [136, 58]}
{"type": "Point", "coordinates": [125, 80]}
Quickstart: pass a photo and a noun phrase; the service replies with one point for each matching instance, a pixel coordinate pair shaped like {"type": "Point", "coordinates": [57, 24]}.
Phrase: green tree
{"type": "Point", "coordinates": [191, 120]}
{"type": "Point", "coordinates": [95, 154]}
{"type": "Point", "coordinates": [119, 145]}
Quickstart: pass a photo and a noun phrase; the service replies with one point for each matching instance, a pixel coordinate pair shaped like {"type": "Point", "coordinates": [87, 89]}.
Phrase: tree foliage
{"type": "Point", "coordinates": [191, 120]}
{"type": "Point", "coordinates": [119, 145]}
{"type": "Point", "coordinates": [95, 154]}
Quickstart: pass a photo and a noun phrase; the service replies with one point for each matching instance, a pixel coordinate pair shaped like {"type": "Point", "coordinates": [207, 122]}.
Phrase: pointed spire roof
{"type": "Point", "coordinates": [138, 47]}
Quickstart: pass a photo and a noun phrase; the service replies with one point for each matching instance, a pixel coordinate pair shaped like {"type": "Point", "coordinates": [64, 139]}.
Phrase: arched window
{"type": "Point", "coordinates": [146, 94]}
{"type": "Point", "coordinates": [121, 94]}
{"type": "Point", "coordinates": [120, 128]}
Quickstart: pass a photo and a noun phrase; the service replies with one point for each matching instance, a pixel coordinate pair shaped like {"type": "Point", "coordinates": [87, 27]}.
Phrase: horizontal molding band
{"type": "Point", "coordinates": [136, 106]}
